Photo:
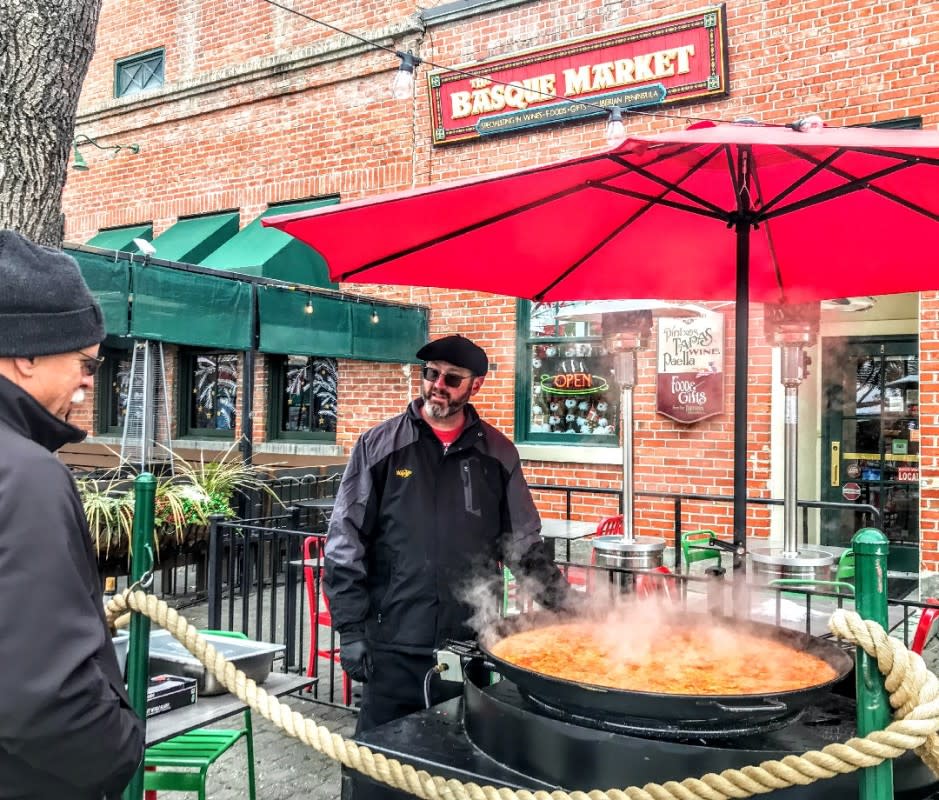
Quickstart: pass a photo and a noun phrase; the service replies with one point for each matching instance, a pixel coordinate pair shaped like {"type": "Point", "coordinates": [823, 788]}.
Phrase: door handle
{"type": "Point", "coordinates": [836, 463]}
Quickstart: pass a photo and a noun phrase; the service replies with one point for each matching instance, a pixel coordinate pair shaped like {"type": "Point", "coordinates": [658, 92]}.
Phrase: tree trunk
{"type": "Point", "coordinates": [45, 49]}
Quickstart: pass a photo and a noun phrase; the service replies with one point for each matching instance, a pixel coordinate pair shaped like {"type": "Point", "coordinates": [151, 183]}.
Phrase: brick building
{"type": "Point", "coordinates": [240, 106]}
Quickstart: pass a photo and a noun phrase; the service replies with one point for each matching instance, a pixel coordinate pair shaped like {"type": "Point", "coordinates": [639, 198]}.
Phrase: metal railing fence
{"type": "Point", "coordinates": [261, 583]}
{"type": "Point", "coordinates": [870, 514]}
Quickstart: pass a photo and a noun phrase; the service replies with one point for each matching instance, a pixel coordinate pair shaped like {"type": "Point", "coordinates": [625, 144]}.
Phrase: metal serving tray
{"type": "Point", "coordinates": [169, 657]}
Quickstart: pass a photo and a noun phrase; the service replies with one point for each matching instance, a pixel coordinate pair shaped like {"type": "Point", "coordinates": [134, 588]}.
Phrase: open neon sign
{"type": "Point", "coordinates": [567, 383]}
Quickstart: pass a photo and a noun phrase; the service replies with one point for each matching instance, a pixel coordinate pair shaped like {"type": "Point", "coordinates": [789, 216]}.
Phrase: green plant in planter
{"type": "Point", "coordinates": [109, 510]}
{"type": "Point", "coordinates": [222, 478]}
{"type": "Point", "coordinates": [183, 504]}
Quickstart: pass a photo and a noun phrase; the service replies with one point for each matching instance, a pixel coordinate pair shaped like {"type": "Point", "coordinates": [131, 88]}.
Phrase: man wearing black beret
{"type": "Point", "coordinates": [431, 502]}
{"type": "Point", "coordinates": [66, 726]}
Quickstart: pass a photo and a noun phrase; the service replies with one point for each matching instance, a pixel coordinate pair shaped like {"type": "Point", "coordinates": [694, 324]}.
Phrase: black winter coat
{"type": "Point", "coordinates": [66, 726]}
{"type": "Point", "coordinates": [418, 536]}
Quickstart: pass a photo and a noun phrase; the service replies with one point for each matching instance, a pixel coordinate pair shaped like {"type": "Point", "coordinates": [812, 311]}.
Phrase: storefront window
{"type": "Point", "coordinates": [306, 391]}
{"type": "Point", "coordinates": [213, 388]}
{"type": "Point", "coordinates": [565, 386]}
{"type": "Point", "coordinates": [113, 387]}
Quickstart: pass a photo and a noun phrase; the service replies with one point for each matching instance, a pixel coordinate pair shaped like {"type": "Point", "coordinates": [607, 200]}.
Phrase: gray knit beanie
{"type": "Point", "coordinates": [45, 305]}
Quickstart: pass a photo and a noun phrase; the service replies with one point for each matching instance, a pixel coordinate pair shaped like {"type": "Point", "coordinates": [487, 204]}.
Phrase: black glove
{"type": "Point", "coordinates": [544, 579]}
{"type": "Point", "coordinates": [354, 656]}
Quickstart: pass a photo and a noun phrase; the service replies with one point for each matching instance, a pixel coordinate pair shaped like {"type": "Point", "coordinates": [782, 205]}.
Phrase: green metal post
{"type": "Point", "coordinates": [873, 706]}
{"type": "Point", "coordinates": [138, 652]}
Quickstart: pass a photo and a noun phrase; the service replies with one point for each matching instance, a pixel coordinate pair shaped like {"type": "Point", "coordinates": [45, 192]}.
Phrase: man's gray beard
{"type": "Point", "coordinates": [435, 411]}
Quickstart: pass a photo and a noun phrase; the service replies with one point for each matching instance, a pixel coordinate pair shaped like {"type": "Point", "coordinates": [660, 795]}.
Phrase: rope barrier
{"type": "Point", "coordinates": [913, 689]}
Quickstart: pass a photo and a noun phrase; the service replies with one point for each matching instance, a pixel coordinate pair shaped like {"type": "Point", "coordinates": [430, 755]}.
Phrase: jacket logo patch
{"type": "Point", "coordinates": [403, 473]}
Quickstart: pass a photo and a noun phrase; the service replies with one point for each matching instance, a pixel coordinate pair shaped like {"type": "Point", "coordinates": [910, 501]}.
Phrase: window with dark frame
{"type": "Point", "coordinates": [138, 73]}
{"type": "Point", "coordinates": [113, 384]}
{"type": "Point", "coordinates": [305, 397]}
{"type": "Point", "coordinates": [211, 380]}
{"type": "Point", "coordinates": [565, 389]}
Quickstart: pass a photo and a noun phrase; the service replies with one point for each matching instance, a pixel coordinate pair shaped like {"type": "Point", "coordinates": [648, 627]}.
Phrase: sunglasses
{"type": "Point", "coordinates": [90, 364]}
{"type": "Point", "coordinates": [451, 379]}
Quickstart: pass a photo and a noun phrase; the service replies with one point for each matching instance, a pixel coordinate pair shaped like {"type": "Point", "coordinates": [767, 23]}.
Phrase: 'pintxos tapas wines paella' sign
{"type": "Point", "coordinates": [673, 60]}
{"type": "Point", "coordinates": [691, 367]}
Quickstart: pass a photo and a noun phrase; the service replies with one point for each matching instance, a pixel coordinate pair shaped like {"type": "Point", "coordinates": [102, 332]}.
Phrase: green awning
{"type": "Point", "coordinates": [270, 253]}
{"type": "Point", "coordinates": [195, 238]}
{"type": "Point", "coordinates": [396, 336]}
{"type": "Point", "coordinates": [287, 327]}
{"type": "Point", "coordinates": [174, 304]}
{"type": "Point", "coordinates": [109, 281]}
{"type": "Point", "coordinates": [338, 327]}
{"type": "Point", "coordinates": [190, 308]}
{"type": "Point", "coordinates": [122, 238]}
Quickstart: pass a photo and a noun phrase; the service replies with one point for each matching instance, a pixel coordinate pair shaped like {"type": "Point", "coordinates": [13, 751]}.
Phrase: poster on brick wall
{"type": "Point", "coordinates": [671, 60]}
{"type": "Point", "coordinates": [690, 367]}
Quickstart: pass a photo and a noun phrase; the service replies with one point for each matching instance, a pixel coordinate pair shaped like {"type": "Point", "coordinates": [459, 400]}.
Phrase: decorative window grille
{"type": "Point", "coordinates": [139, 72]}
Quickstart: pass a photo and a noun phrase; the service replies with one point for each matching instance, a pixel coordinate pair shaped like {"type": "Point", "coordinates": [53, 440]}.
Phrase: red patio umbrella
{"type": "Point", "coordinates": [715, 212]}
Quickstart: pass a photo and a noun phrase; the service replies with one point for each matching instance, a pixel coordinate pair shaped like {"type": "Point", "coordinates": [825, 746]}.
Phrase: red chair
{"type": "Point", "coordinates": [649, 586]}
{"type": "Point", "coordinates": [313, 579]}
{"type": "Point", "coordinates": [926, 620]}
{"type": "Point", "coordinates": [611, 526]}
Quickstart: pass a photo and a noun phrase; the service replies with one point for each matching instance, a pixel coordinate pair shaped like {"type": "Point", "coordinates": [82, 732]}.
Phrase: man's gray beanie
{"type": "Point", "coordinates": [45, 305]}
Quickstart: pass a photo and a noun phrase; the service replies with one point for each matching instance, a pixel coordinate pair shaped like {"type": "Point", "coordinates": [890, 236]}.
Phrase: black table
{"type": "Point", "coordinates": [322, 507]}
{"type": "Point", "coordinates": [207, 710]}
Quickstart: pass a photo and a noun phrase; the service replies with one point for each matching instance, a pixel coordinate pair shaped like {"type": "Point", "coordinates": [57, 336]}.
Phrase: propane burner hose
{"type": "Point", "coordinates": [914, 695]}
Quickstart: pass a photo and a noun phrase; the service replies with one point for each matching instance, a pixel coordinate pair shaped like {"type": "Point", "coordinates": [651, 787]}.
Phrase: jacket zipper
{"type": "Point", "coordinates": [468, 491]}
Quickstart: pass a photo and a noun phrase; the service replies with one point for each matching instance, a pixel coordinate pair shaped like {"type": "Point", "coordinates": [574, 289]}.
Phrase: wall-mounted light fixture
{"type": "Point", "coordinates": [79, 163]}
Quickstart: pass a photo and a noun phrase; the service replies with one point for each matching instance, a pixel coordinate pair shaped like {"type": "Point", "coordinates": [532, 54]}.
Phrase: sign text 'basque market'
{"type": "Point", "coordinates": [674, 60]}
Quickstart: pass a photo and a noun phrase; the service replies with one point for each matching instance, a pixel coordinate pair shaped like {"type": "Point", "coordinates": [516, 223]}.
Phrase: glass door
{"type": "Point", "coordinates": [870, 440]}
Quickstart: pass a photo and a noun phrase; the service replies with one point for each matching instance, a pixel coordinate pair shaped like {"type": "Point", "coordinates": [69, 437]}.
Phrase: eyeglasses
{"type": "Point", "coordinates": [90, 364]}
{"type": "Point", "coordinates": [451, 379]}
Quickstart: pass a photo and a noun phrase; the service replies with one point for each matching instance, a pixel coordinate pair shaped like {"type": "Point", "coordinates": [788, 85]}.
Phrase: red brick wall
{"type": "Point", "coordinates": [370, 393]}
{"type": "Point", "coordinates": [332, 128]}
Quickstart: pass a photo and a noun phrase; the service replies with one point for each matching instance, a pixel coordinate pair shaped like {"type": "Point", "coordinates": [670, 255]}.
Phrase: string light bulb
{"type": "Point", "coordinates": [375, 318]}
{"type": "Point", "coordinates": [615, 129]}
{"type": "Point", "coordinates": [308, 308]}
{"type": "Point", "coordinates": [402, 85]}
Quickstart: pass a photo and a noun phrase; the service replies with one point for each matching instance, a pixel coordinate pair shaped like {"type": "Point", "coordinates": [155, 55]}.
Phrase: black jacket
{"type": "Point", "coordinates": [418, 537]}
{"type": "Point", "coordinates": [66, 726]}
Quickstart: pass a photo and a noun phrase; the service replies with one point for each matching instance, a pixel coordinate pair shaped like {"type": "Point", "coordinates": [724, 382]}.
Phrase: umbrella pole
{"type": "Point", "coordinates": [741, 379]}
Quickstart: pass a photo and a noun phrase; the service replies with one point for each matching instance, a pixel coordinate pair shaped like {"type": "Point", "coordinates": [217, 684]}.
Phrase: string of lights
{"type": "Point", "coordinates": [403, 82]}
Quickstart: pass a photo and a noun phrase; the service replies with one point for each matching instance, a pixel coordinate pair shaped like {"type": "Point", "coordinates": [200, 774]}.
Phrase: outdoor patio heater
{"type": "Point", "coordinates": [792, 328]}
{"type": "Point", "coordinates": [626, 327]}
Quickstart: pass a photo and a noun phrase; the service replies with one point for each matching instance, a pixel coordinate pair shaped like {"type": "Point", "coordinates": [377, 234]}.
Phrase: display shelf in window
{"type": "Point", "coordinates": [565, 390]}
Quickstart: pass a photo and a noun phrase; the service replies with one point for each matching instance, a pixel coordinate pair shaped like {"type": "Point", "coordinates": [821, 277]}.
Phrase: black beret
{"type": "Point", "coordinates": [456, 350]}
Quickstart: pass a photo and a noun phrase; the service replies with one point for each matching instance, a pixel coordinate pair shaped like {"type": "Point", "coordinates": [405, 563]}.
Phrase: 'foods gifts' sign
{"type": "Point", "coordinates": [670, 61]}
{"type": "Point", "coordinates": [691, 367]}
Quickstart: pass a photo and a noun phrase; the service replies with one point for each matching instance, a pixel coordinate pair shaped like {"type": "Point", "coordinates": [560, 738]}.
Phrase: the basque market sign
{"type": "Point", "coordinates": [670, 61]}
